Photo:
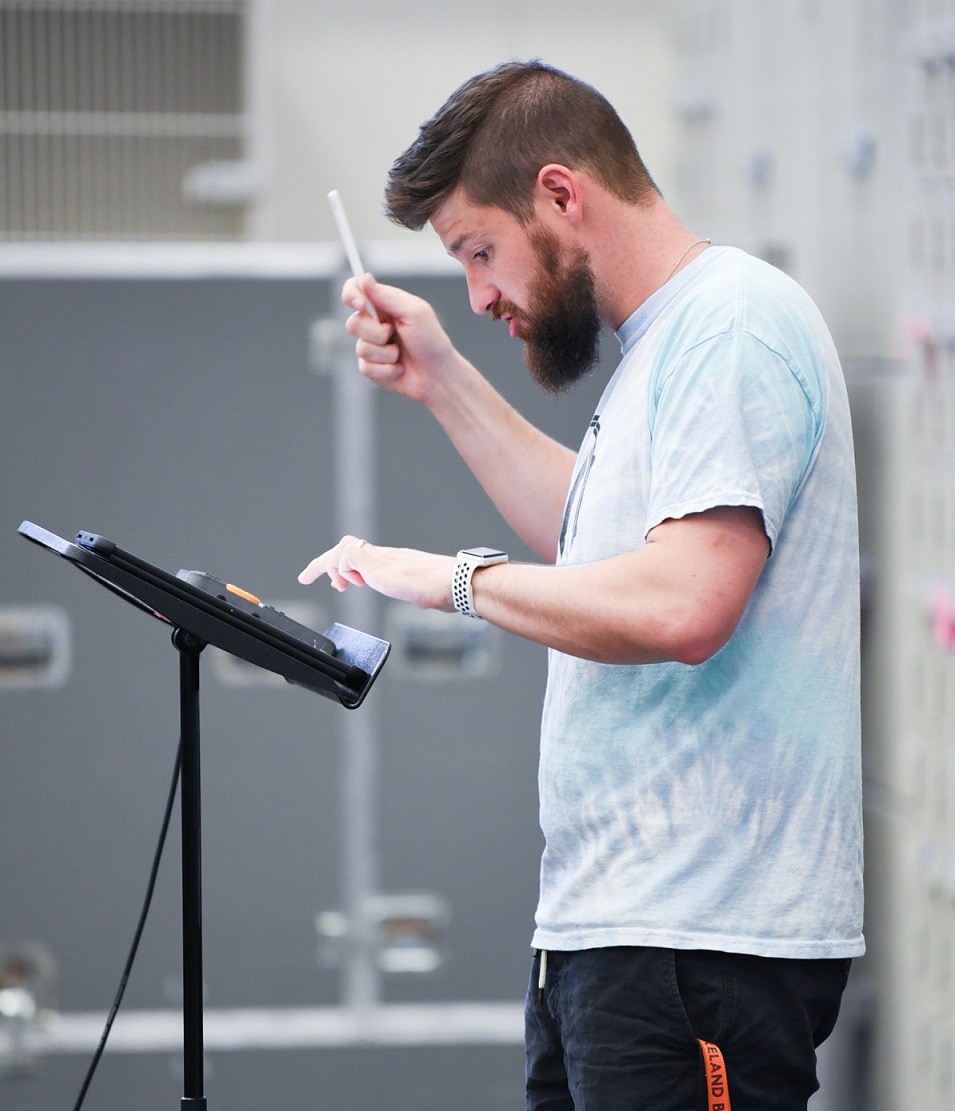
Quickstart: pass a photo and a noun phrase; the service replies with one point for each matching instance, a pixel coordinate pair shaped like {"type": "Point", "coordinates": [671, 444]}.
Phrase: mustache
{"type": "Point", "coordinates": [505, 308]}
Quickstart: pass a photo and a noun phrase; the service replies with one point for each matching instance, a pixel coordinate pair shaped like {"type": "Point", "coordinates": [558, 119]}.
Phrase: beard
{"type": "Point", "coordinates": [561, 327]}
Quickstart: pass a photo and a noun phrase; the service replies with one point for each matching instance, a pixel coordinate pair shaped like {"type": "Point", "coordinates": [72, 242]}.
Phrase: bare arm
{"type": "Point", "coordinates": [525, 472]}
{"type": "Point", "coordinates": [678, 598]}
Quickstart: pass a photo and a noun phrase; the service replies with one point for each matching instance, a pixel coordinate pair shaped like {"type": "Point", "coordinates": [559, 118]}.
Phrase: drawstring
{"type": "Point", "coordinates": [542, 976]}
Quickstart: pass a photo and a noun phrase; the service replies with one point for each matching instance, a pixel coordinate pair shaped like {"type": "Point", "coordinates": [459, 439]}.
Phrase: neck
{"type": "Point", "coordinates": [635, 251]}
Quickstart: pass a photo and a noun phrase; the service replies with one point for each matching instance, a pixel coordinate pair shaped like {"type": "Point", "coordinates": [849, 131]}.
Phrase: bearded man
{"type": "Point", "coordinates": [698, 591]}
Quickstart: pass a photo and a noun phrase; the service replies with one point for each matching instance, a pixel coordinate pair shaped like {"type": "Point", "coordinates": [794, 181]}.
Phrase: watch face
{"type": "Point", "coordinates": [484, 553]}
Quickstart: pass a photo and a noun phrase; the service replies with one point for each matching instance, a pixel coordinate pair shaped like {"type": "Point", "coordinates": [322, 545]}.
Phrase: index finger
{"type": "Point", "coordinates": [335, 564]}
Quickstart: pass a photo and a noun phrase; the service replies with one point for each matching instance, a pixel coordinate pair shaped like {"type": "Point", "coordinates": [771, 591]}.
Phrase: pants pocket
{"type": "Point", "coordinates": [705, 989]}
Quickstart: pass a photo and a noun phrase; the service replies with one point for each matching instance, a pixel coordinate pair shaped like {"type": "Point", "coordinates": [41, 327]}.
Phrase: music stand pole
{"type": "Point", "coordinates": [189, 646]}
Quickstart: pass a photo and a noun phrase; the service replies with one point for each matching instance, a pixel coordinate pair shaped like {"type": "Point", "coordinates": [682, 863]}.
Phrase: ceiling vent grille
{"type": "Point", "coordinates": [109, 108]}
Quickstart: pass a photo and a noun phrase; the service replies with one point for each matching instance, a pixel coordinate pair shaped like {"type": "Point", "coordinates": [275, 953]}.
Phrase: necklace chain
{"type": "Point", "coordinates": [683, 256]}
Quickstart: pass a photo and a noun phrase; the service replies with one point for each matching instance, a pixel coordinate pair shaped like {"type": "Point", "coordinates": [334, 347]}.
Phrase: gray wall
{"type": "Point", "coordinates": [180, 418]}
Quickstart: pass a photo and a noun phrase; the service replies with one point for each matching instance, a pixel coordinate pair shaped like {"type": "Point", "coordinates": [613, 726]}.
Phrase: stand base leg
{"type": "Point", "coordinates": [193, 1103]}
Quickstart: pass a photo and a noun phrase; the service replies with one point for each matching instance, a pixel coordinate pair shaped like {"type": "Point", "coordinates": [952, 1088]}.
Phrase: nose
{"type": "Point", "coordinates": [483, 295]}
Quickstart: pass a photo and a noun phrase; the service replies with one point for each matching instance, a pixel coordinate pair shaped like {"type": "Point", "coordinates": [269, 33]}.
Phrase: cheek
{"type": "Point", "coordinates": [531, 294]}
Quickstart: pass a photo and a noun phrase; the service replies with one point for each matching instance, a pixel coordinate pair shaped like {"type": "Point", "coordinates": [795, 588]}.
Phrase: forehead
{"type": "Point", "coordinates": [458, 221]}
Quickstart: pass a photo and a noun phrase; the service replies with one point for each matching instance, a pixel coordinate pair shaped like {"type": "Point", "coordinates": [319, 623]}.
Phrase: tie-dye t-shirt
{"type": "Point", "coordinates": [716, 806]}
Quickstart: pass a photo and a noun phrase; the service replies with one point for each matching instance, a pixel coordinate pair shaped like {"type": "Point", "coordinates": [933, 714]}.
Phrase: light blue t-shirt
{"type": "Point", "coordinates": [716, 806]}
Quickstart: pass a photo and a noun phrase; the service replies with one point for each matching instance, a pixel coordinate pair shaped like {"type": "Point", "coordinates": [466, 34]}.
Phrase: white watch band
{"type": "Point", "coordinates": [469, 560]}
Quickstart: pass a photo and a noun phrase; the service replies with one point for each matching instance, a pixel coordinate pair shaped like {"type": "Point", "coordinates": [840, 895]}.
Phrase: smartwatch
{"type": "Point", "coordinates": [469, 560]}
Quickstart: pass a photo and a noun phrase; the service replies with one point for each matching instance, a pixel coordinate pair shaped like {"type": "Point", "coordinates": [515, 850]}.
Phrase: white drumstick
{"type": "Point", "coordinates": [348, 242]}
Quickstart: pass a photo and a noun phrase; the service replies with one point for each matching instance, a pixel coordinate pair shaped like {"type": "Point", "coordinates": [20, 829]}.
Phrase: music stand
{"type": "Point", "coordinates": [340, 664]}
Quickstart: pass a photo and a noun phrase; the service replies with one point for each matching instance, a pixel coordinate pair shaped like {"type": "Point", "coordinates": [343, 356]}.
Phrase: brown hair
{"type": "Point", "coordinates": [498, 129]}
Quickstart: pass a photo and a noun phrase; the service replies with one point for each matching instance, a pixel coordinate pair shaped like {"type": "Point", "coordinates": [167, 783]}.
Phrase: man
{"type": "Point", "coordinates": [699, 776]}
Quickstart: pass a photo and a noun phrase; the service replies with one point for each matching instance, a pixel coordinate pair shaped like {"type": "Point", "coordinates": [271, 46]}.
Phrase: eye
{"type": "Point", "coordinates": [483, 255]}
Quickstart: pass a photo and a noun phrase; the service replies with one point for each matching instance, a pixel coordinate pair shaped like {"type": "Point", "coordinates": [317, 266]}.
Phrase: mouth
{"type": "Point", "coordinates": [512, 320]}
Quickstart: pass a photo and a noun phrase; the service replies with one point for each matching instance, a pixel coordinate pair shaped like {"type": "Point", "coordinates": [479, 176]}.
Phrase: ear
{"type": "Point", "coordinates": [561, 191]}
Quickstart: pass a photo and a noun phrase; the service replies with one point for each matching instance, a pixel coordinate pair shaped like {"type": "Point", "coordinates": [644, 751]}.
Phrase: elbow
{"type": "Point", "coordinates": [694, 642]}
{"type": "Point", "coordinates": [694, 653]}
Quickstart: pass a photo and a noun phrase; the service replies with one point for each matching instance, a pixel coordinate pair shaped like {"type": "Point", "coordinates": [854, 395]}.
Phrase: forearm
{"type": "Point", "coordinates": [525, 472]}
{"type": "Point", "coordinates": [582, 611]}
{"type": "Point", "coordinates": [680, 597]}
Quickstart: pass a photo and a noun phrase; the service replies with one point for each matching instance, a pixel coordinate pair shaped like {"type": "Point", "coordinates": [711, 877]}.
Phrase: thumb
{"type": "Point", "coordinates": [388, 299]}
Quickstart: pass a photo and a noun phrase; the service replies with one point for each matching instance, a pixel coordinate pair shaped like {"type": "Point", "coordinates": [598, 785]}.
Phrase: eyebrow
{"type": "Point", "coordinates": [460, 241]}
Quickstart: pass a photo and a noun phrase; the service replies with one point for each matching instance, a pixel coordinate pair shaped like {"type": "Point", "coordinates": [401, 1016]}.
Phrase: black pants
{"type": "Point", "coordinates": [616, 1029]}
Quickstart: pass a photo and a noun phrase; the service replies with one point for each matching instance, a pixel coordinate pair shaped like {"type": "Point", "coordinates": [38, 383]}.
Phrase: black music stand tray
{"type": "Point", "coordinates": [340, 664]}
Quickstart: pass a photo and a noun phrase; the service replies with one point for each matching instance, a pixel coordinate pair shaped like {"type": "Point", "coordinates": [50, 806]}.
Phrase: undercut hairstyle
{"type": "Point", "coordinates": [493, 135]}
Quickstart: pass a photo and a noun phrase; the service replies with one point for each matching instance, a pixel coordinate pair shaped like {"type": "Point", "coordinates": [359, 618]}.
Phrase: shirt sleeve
{"type": "Point", "coordinates": [731, 424]}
